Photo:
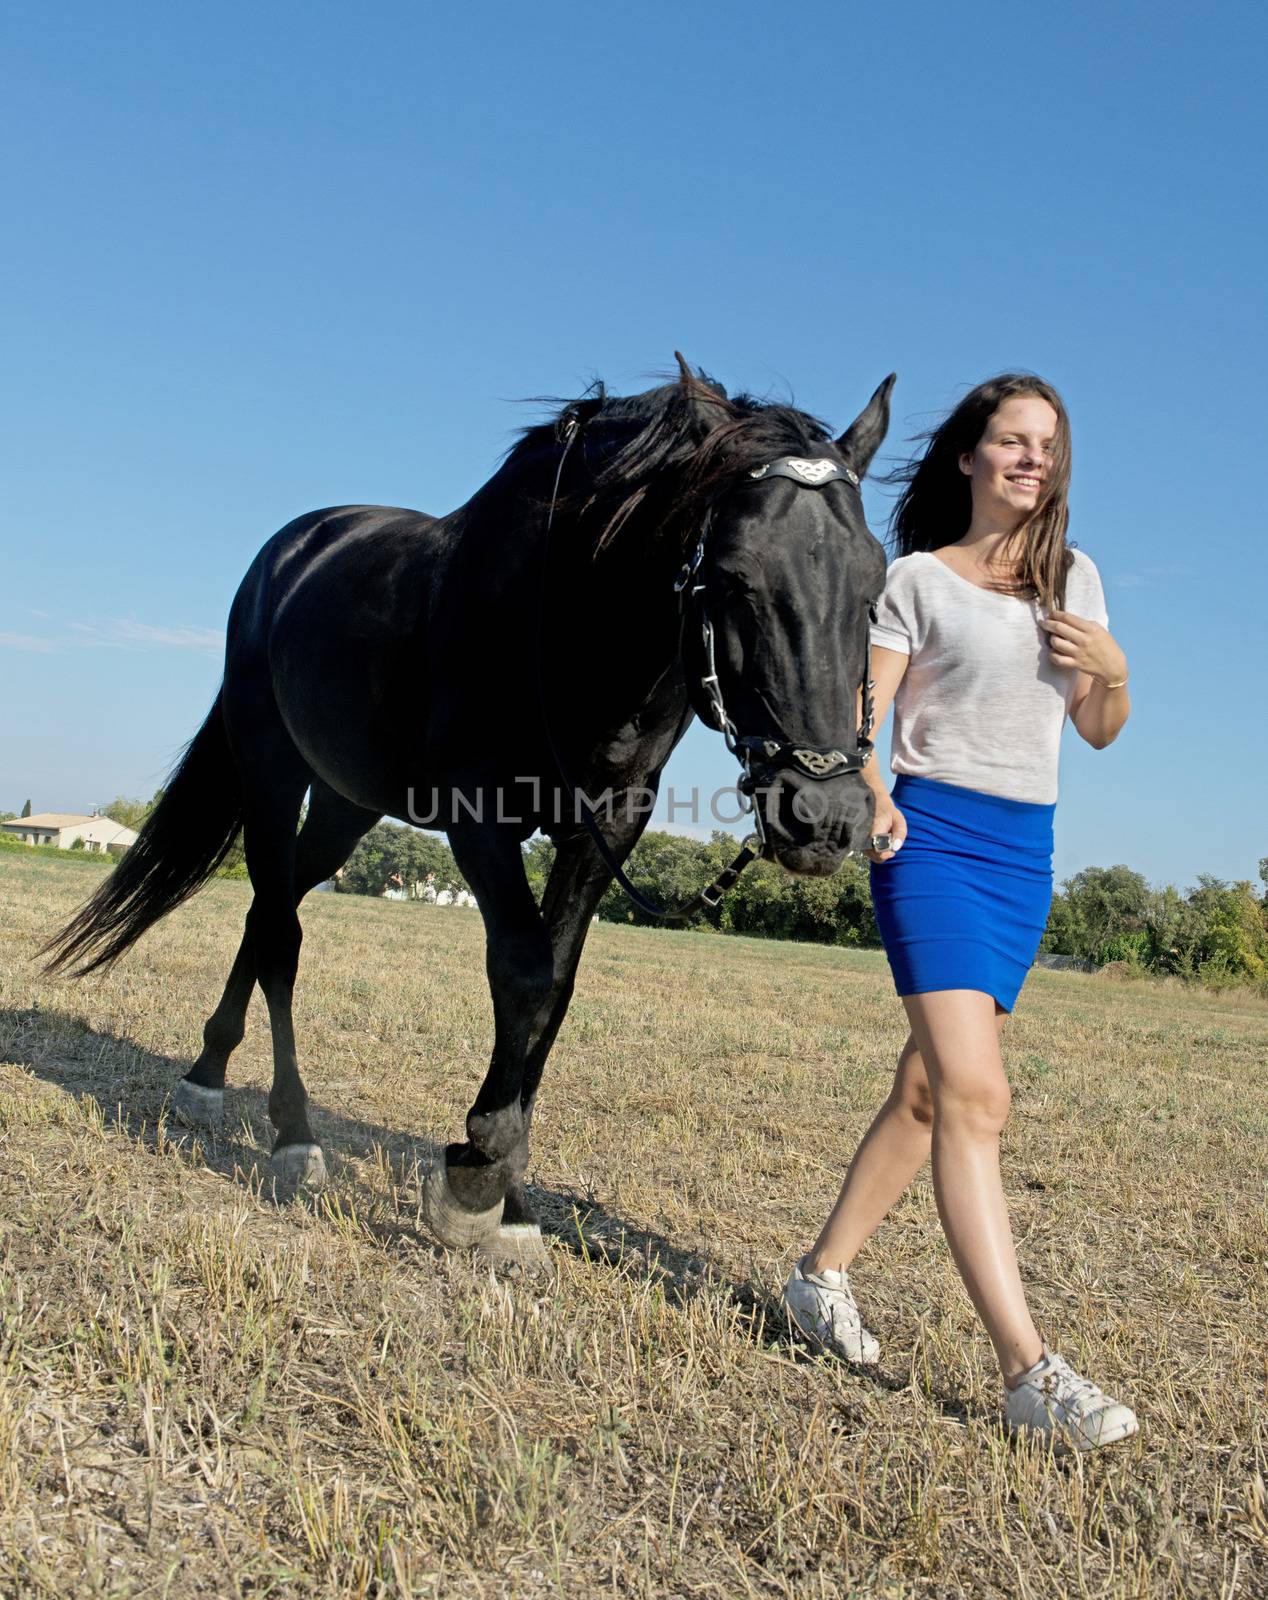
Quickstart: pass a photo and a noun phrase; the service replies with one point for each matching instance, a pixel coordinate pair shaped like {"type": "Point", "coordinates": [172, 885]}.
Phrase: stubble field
{"type": "Point", "coordinates": [205, 1393]}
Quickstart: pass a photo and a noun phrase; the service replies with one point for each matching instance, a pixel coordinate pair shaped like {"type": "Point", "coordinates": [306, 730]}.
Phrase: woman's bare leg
{"type": "Point", "coordinates": [891, 1153]}
{"type": "Point", "coordinates": [957, 1036]}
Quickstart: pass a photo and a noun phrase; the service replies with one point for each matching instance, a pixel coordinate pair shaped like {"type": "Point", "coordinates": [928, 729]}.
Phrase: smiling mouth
{"type": "Point", "coordinates": [1025, 482]}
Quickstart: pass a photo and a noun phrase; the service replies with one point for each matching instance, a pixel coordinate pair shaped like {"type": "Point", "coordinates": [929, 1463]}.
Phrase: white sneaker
{"type": "Point", "coordinates": [821, 1305]}
{"type": "Point", "coordinates": [1053, 1399]}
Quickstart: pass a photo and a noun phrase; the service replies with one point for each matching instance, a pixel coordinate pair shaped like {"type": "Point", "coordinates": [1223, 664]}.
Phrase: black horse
{"type": "Point", "coordinates": [634, 562]}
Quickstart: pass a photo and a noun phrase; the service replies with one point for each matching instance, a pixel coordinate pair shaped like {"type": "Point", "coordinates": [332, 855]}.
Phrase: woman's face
{"type": "Point", "coordinates": [1013, 458]}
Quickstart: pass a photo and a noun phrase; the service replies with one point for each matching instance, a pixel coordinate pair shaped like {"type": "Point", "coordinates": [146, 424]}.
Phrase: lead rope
{"type": "Point", "coordinates": [712, 893]}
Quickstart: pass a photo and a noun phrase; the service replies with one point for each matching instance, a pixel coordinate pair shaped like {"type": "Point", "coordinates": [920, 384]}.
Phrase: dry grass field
{"type": "Point", "coordinates": [205, 1393]}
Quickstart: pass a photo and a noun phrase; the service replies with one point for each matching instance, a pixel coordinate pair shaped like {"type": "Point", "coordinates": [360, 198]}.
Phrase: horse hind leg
{"type": "Point", "coordinates": [198, 1100]}
{"type": "Point", "coordinates": [276, 936]}
{"type": "Point", "coordinates": [330, 831]}
{"type": "Point", "coordinates": [282, 874]}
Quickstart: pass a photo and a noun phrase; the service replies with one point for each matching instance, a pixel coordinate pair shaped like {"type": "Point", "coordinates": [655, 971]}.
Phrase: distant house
{"type": "Point", "coordinates": [56, 827]}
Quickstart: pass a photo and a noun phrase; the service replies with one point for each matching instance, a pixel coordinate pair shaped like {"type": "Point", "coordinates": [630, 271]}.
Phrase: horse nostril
{"type": "Point", "coordinates": [811, 805]}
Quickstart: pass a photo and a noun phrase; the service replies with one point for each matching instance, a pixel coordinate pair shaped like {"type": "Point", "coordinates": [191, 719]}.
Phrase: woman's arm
{"type": "Point", "coordinates": [888, 668]}
{"type": "Point", "coordinates": [1101, 704]}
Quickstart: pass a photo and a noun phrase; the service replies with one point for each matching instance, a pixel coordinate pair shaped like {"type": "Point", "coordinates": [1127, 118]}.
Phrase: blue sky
{"type": "Point", "coordinates": [261, 258]}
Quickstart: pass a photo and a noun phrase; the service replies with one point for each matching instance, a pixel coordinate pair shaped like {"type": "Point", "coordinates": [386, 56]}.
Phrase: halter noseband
{"type": "Point", "coordinates": [762, 757]}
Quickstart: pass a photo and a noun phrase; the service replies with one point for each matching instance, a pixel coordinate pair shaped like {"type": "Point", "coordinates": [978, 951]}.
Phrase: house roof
{"type": "Point", "coordinates": [105, 829]}
{"type": "Point", "coordinates": [49, 819]}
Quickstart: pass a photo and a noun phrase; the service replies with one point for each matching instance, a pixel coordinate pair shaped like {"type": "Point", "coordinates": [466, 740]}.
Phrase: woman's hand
{"type": "Point", "coordinates": [1085, 646]}
{"type": "Point", "coordinates": [1090, 650]}
{"type": "Point", "coordinates": [888, 819]}
{"type": "Point", "coordinates": [888, 669]}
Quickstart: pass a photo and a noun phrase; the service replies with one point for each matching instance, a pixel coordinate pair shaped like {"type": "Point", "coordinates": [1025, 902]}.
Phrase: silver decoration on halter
{"type": "Point", "coordinates": [690, 568]}
{"type": "Point", "coordinates": [817, 762]}
{"type": "Point", "coordinates": [813, 472]}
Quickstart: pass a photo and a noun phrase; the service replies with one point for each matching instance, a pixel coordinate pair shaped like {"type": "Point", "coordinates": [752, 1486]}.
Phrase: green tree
{"type": "Point", "coordinates": [539, 858]}
{"type": "Point", "coordinates": [128, 813]}
{"type": "Point", "coordinates": [391, 849]}
{"type": "Point", "coordinates": [1236, 935]}
{"type": "Point", "coordinates": [767, 902]}
{"type": "Point", "coordinates": [758, 904]}
{"type": "Point", "coordinates": [1175, 926]}
{"type": "Point", "coordinates": [234, 864]}
{"type": "Point", "coordinates": [669, 868]}
{"type": "Point", "coordinates": [855, 919]}
{"type": "Point", "coordinates": [1100, 915]}
{"type": "Point", "coordinates": [26, 809]}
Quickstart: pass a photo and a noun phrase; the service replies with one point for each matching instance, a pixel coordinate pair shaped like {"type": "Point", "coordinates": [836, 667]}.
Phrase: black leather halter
{"type": "Point", "coordinates": [819, 762]}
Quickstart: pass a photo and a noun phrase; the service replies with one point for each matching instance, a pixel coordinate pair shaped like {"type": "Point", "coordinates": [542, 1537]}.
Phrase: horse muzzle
{"type": "Point", "coordinates": [811, 823]}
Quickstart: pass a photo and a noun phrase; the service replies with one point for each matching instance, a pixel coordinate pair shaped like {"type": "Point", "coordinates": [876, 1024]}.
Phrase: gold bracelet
{"type": "Point", "coordinates": [1117, 685]}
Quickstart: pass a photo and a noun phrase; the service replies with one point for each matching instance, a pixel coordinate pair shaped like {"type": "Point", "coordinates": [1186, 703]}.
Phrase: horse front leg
{"type": "Point", "coordinates": [464, 1195]}
{"type": "Point", "coordinates": [578, 879]}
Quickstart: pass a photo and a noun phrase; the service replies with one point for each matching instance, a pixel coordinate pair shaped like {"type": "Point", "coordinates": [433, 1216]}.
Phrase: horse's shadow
{"type": "Point", "coordinates": [131, 1098]}
{"type": "Point", "coordinates": [130, 1086]}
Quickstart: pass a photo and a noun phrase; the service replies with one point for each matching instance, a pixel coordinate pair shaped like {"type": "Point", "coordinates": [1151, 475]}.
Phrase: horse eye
{"type": "Point", "coordinates": [735, 580]}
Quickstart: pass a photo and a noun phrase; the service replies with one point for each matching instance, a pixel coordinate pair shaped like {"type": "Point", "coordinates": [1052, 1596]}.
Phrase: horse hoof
{"type": "Point", "coordinates": [298, 1166]}
{"type": "Point", "coordinates": [453, 1225]}
{"type": "Point", "coordinates": [195, 1106]}
{"type": "Point", "coordinates": [518, 1244]}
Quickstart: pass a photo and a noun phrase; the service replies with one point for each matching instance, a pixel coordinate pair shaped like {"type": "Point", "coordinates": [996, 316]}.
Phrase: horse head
{"type": "Point", "coordinates": [777, 598]}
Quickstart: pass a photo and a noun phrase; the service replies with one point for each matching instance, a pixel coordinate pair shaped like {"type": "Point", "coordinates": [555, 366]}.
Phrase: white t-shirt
{"type": "Point", "coordinates": [981, 704]}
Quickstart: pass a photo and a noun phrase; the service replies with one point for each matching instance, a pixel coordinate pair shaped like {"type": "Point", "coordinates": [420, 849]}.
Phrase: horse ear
{"type": "Point", "coordinates": [702, 392]}
{"type": "Point", "coordinates": [862, 439]}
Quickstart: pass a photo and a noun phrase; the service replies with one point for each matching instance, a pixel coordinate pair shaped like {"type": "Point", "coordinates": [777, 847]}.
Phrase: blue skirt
{"type": "Point", "coordinates": [964, 903]}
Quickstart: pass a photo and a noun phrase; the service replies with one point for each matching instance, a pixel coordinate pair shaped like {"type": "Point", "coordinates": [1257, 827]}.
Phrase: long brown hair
{"type": "Point", "coordinates": [936, 505]}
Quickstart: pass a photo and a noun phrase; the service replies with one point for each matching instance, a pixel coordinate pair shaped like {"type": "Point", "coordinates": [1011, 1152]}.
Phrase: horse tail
{"type": "Point", "coordinates": [182, 842]}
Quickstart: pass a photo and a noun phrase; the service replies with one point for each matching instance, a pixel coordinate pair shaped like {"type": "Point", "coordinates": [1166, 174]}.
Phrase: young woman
{"type": "Point", "coordinates": [991, 631]}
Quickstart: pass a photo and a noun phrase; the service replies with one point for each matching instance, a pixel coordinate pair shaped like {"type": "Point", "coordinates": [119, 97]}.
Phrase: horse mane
{"type": "Point", "coordinates": [688, 430]}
